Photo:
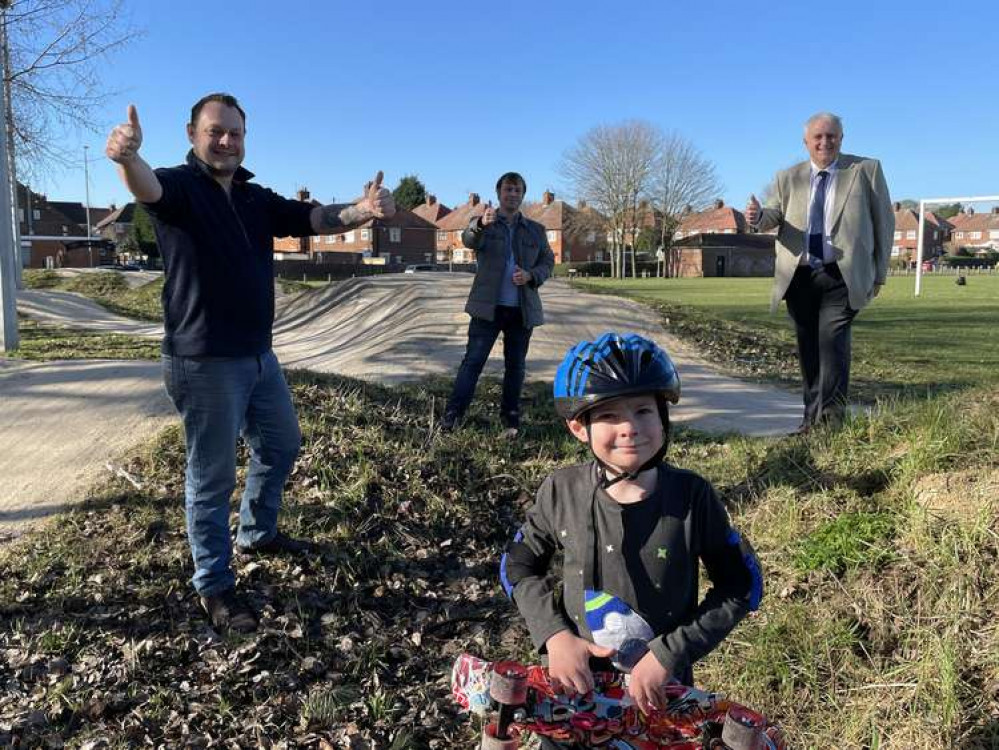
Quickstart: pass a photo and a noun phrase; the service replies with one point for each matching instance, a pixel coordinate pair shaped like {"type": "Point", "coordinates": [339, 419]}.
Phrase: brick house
{"type": "Point", "coordinates": [575, 234]}
{"type": "Point", "coordinates": [718, 219]}
{"type": "Point", "coordinates": [725, 254]}
{"type": "Point", "coordinates": [403, 238]}
{"type": "Point", "coordinates": [117, 225]}
{"type": "Point", "coordinates": [432, 210]}
{"type": "Point", "coordinates": [54, 233]}
{"type": "Point", "coordinates": [905, 244]}
{"type": "Point", "coordinates": [975, 231]}
{"type": "Point", "coordinates": [449, 228]}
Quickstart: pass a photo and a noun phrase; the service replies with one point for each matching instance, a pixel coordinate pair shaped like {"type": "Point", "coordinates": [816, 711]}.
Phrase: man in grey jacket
{"type": "Point", "coordinates": [834, 222]}
{"type": "Point", "coordinates": [513, 259]}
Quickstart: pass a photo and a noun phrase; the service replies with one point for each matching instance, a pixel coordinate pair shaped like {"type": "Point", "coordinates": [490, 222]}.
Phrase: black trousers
{"type": "Point", "coordinates": [819, 304]}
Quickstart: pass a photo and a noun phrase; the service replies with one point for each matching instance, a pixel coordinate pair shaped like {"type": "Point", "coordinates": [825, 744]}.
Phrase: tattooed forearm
{"type": "Point", "coordinates": [339, 215]}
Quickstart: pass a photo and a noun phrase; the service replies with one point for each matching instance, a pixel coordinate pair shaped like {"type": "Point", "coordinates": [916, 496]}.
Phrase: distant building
{"type": "Point", "coordinates": [403, 238]}
{"type": "Point", "coordinates": [575, 233]}
{"type": "Point", "coordinates": [905, 243]}
{"type": "Point", "coordinates": [54, 233]}
{"type": "Point", "coordinates": [975, 231]}
{"type": "Point", "coordinates": [725, 254]}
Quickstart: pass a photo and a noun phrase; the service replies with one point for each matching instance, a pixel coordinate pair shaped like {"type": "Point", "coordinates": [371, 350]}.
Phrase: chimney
{"type": "Point", "coordinates": [113, 208]}
{"type": "Point", "coordinates": [719, 203]}
{"type": "Point", "coordinates": [995, 209]}
{"type": "Point", "coordinates": [431, 200]}
{"type": "Point", "coordinates": [303, 194]}
{"type": "Point", "coordinates": [547, 197]}
{"type": "Point", "coordinates": [687, 209]}
{"type": "Point", "coordinates": [582, 203]}
{"type": "Point", "coordinates": [970, 210]}
{"type": "Point", "coordinates": [473, 199]}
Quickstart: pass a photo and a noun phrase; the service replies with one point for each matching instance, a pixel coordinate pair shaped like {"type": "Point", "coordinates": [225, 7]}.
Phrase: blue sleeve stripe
{"type": "Point", "coordinates": [504, 578]}
{"type": "Point", "coordinates": [753, 566]}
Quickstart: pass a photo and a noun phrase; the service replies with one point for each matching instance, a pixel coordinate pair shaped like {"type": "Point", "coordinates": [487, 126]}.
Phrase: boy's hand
{"type": "Point", "coordinates": [647, 681]}
{"type": "Point", "coordinates": [569, 661]}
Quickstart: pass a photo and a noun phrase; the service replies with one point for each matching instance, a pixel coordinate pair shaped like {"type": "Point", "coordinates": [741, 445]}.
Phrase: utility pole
{"type": "Point", "coordinates": [8, 249]}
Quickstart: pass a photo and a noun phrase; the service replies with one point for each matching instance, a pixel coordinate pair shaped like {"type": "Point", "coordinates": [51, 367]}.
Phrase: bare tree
{"type": "Point", "coordinates": [52, 67]}
{"type": "Point", "coordinates": [684, 181]}
{"type": "Point", "coordinates": [611, 167]}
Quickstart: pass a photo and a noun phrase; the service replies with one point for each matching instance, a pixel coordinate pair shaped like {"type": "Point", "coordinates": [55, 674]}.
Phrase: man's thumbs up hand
{"type": "Point", "coordinates": [126, 139]}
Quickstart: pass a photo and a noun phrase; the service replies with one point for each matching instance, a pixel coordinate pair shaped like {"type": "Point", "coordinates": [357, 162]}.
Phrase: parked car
{"type": "Point", "coordinates": [419, 267]}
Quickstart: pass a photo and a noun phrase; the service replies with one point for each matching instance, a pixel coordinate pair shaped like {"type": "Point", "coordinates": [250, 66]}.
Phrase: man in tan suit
{"type": "Point", "coordinates": [835, 224]}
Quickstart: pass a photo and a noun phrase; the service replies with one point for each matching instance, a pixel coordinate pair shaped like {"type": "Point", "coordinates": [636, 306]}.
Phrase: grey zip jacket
{"type": "Point", "coordinates": [530, 251]}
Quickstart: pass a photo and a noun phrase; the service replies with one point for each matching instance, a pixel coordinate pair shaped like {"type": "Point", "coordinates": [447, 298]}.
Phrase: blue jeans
{"type": "Point", "coordinates": [482, 334]}
{"type": "Point", "coordinates": [220, 398]}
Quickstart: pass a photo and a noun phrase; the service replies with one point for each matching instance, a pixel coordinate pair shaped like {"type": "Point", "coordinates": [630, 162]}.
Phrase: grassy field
{"type": "Point", "coordinates": [946, 339]}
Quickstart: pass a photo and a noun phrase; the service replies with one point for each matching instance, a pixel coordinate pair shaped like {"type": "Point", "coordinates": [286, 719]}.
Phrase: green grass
{"type": "Point", "coordinates": [946, 339]}
{"type": "Point", "coordinates": [878, 622]}
{"type": "Point", "coordinates": [41, 342]}
{"type": "Point", "coordinates": [107, 288]}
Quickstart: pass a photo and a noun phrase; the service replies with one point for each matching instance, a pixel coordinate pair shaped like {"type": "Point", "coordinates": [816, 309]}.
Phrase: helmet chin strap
{"type": "Point", "coordinates": [631, 476]}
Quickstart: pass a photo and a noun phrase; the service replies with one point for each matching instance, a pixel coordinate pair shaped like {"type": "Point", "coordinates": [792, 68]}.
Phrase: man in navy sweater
{"type": "Point", "coordinates": [215, 231]}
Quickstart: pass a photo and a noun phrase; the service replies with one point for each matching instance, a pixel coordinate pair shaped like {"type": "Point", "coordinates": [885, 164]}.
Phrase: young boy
{"type": "Point", "coordinates": [631, 530]}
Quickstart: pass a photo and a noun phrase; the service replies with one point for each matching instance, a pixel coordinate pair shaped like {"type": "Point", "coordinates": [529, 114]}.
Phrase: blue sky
{"type": "Point", "coordinates": [461, 92]}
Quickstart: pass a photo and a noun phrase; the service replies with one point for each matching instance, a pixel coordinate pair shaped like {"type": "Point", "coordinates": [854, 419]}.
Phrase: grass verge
{"type": "Point", "coordinates": [878, 631]}
{"type": "Point", "coordinates": [108, 288]}
{"type": "Point", "coordinates": [40, 342]}
{"type": "Point", "coordinates": [944, 340]}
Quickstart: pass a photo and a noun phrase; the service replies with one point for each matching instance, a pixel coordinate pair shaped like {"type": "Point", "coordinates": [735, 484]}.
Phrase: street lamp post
{"type": "Point", "coordinates": [8, 251]}
{"type": "Point", "coordinates": [86, 180]}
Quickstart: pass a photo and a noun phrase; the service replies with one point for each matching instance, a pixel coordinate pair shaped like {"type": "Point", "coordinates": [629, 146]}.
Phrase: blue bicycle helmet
{"type": "Point", "coordinates": [614, 365]}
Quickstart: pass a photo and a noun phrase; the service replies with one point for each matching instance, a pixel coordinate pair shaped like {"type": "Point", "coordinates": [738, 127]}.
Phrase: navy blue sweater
{"type": "Point", "coordinates": [218, 254]}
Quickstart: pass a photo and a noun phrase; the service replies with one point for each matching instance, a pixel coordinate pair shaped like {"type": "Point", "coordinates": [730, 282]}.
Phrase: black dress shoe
{"type": "Point", "coordinates": [280, 544]}
{"type": "Point", "coordinates": [229, 613]}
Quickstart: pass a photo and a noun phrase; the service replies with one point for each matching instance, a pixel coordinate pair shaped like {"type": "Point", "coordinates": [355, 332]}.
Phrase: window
{"type": "Point", "coordinates": [895, 251]}
{"type": "Point", "coordinates": [365, 234]}
{"type": "Point", "coordinates": [330, 239]}
{"type": "Point", "coordinates": [911, 234]}
{"type": "Point", "coordinates": [898, 235]}
{"type": "Point", "coordinates": [936, 234]}
{"type": "Point", "coordinates": [442, 236]}
{"type": "Point", "coordinates": [395, 234]}
{"type": "Point", "coordinates": [591, 237]}
{"type": "Point", "coordinates": [975, 235]}
{"type": "Point", "coordinates": [349, 236]}
{"type": "Point", "coordinates": [551, 233]}
{"type": "Point", "coordinates": [994, 234]}
{"type": "Point", "coordinates": [36, 214]}
{"type": "Point", "coordinates": [20, 214]}
{"type": "Point", "coordinates": [600, 255]}
{"type": "Point", "coordinates": [960, 235]}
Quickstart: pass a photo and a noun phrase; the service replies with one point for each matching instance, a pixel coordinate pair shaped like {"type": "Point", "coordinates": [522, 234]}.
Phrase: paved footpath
{"type": "Point", "coordinates": [61, 422]}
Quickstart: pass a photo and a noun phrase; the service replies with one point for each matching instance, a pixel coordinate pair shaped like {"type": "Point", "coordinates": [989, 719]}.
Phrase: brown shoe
{"type": "Point", "coordinates": [229, 613]}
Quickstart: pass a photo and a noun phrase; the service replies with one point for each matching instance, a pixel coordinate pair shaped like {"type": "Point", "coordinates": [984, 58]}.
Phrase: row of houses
{"type": "Point", "coordinates": [712, 242]}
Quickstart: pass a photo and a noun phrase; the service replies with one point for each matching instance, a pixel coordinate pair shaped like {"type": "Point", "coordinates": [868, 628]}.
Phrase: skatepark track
{"type": "Point", "coordinates": [62, 421]}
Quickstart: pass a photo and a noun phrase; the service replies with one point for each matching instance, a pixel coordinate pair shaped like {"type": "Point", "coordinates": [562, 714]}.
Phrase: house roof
{"type": "Point", "coordinates": [717, 218]}
{"type": "Point", "coordinates": [122, 215]}
{"type": "Point", "coordinates": [462, 215]}
{"type": "Point", "coordinates": [432, 210]}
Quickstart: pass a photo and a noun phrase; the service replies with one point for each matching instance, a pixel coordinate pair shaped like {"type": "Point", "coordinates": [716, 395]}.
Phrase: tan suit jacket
{"type": "Point", "coordinates": [862, 225]}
